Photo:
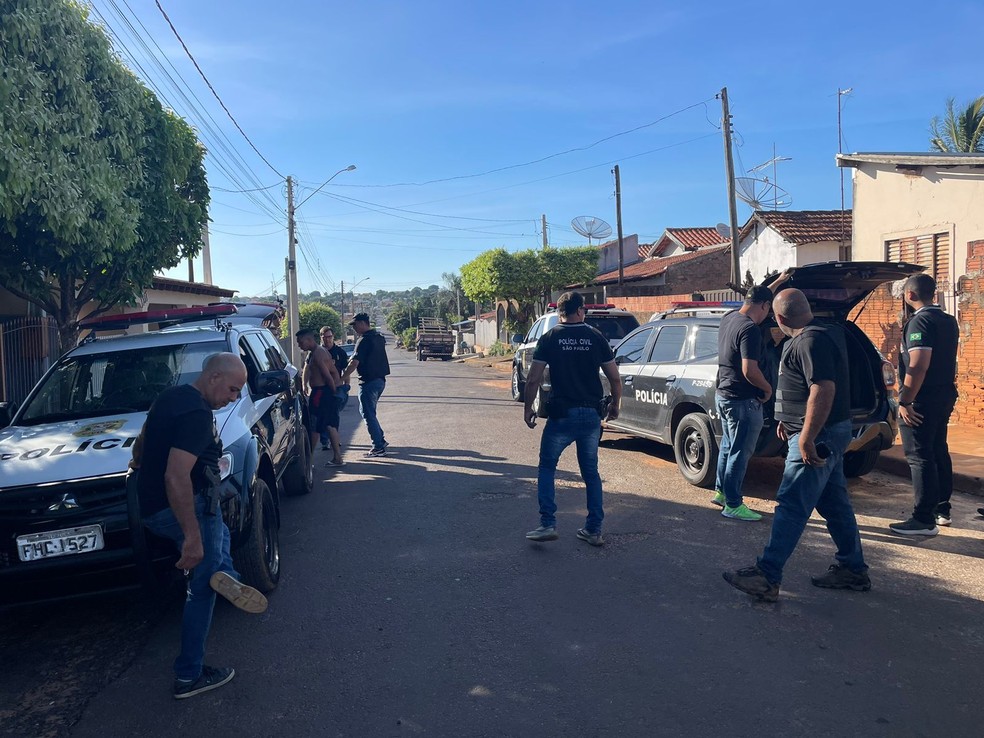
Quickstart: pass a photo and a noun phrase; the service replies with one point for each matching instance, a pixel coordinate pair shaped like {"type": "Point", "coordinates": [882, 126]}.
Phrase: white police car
{"type": "Point", "coordinates": [69, 526]}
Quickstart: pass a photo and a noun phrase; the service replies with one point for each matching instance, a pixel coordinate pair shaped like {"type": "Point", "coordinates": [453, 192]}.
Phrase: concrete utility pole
{"type": "Point", "coordinates": [293, 308]}
{"type": "Point", "coordinates": [732, 205]}
{"type": "Point", "coordinates": [543, 225]}
{"type": "Point", "coordinates": [206, 256]}
{"type": "Point", "coordinates": [618, 223]}
{"type": "Point", "coordinates": [840, 150]}
{"type": "Point", "coordinates": [342, 309]}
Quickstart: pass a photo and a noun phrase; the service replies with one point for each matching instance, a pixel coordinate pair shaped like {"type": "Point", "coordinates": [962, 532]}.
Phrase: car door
{"type": "Point", "coordinates": [629, 359]}
{"type": "Point", "coordinates": [657, 377]}
{"type": "Point", "coordinates": [272, 414]}
{"type": "Point", "coordinates": [528, 346]}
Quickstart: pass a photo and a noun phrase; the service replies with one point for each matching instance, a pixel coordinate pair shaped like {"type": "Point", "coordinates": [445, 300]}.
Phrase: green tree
{"type": "Point", "coordinates": [101, 186]}
{"type": "Point", "coordinates": [960, 131]}
{"type": "Point", "coordinates": [398, 318]}
{"type": "Point", "coordinates": [314, 315]}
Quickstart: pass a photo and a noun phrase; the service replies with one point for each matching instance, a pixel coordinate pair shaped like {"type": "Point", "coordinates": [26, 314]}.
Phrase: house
{"type": "Point", "coordinates": [773, 240]}
{"type": "Point", "coordinates": [926, 209]}
{"type": "Point", "coordinates": [682, 240]}
{"type": "Point", "coordinates": [608, 253]}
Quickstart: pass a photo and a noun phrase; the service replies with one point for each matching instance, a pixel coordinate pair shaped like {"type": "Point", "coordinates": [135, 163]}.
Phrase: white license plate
{"type": "Point", "coordinates": [66, 542]}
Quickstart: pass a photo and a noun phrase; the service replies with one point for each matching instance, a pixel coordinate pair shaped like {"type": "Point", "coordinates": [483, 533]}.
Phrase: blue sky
{"type": "Point", "coordinates": [412, 92]}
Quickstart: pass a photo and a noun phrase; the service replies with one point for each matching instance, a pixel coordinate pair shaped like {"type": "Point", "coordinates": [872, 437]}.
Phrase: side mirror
{"type": "Point", "coordinates": [518, 338]}
{"type": "Point", "coordinates": [273, 382]}
{"type": "Point", "coordinates": [7, 412]}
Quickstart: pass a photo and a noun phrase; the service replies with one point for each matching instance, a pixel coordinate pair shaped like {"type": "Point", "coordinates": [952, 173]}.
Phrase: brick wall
{"type": "Point", "coordinates": [880, 321]}
{"type": "Point", "coordinates": [643, 307]}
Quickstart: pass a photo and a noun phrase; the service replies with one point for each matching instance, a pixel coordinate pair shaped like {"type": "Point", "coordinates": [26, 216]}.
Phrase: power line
{"type": "Point", "coordinates": [210, 87]}
{"type": "Point", "coordinates": [257, 189]}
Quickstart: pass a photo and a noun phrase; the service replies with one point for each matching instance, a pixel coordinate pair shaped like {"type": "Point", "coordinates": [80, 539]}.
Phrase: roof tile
{"type": "Point", "coordinates": [806, 226]}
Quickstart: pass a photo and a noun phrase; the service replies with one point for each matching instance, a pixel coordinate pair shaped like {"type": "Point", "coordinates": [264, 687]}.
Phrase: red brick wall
{"type": "Point", "coordinates": [880, 321]}
{"type": "Point", "coordinates": [644, 307]}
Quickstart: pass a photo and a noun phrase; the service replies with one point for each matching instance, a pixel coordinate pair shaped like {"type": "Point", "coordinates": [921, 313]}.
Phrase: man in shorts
{"type": "Point", "coordinates": [320, 386]}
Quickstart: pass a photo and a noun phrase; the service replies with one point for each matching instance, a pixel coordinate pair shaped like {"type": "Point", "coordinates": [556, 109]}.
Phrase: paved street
{"type": "Point", "coordinates": [410, 604]}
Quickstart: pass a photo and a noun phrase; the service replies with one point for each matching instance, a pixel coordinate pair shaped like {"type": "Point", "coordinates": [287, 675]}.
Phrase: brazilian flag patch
{"type": "Point", "coordinates": [915, 336]}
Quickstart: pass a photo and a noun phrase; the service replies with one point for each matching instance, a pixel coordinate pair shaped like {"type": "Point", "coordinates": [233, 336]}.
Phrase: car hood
{"type": "Point", "coordinates": [835, 287]}
{"type": "Point", "coordinates": [73, 449]}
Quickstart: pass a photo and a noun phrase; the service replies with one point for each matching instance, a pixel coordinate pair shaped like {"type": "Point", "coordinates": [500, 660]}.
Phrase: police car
{"type": "Point", "coordinates": [69, 522]}
{"type": "Point", "coordinates": [613, 323]}
{"type": "Point", "coordinates": [668, 369]}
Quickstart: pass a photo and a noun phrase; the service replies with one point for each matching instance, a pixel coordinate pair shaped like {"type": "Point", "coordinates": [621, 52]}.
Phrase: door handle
{"type": "Point", "coordinates": [671, 378]}
{"type": "Point", "coordinates": [627, 380]}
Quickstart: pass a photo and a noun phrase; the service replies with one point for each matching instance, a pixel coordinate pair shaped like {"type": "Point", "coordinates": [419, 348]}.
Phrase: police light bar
{"type": "Point", "coordinates": [713, 304]}
{"type": "Point", "coordinates": [553, 305]}
{"type": "Point", "coordinates": [170, 315]}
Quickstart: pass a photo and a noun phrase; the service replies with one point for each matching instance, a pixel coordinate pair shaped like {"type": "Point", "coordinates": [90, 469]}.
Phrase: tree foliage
{"type": "Point", "coordinates": [101, 186]}
{"type": "Point", "coordinates": [960, 131]}
{"type": "Point", "coordinates": [527, 277]}
{"type": "Point", "coordinates": [314, 315]}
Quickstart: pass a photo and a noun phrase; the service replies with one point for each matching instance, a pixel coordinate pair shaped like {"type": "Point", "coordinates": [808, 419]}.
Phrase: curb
{"type": "Point", "coordinates": [896, 465]}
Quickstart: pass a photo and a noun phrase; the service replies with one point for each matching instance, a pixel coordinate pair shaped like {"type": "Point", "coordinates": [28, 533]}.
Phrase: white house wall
{"type": "Point", "coordinates": [608, 254]}
{"type": "Point", "coordinates": [766, 252]}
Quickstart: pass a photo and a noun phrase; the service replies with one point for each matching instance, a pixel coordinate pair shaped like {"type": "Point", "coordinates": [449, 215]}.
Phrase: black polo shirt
{"type": "Point", "coordinates": [931, 327]}
{"type": "Point", "coordinates": [738, 338]}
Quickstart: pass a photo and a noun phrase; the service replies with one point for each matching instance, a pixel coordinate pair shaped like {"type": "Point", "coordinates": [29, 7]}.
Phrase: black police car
{"type": "Point", "coordinates": [668, 369]}
{"type": "Point", "coordinates": [69, 522]}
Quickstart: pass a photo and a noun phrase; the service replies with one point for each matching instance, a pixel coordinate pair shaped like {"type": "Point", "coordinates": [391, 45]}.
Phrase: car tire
{"type": "Point", "coordinates": [518, 386]}
{"type": "Point", "coordinates": [258, 558]}
{"type": "Point", "coordinates": [859, 463]}
{"type": "Point", "coordinates": [299, 474]}
{"type": "Point", "coordinates": [696, 450]}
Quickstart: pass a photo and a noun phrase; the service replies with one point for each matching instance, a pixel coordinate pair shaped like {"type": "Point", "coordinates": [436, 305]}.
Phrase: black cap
{"type": "Point", "coordinates": [757, 295]}
{"type": "Point", "coordinates": [364, 317]}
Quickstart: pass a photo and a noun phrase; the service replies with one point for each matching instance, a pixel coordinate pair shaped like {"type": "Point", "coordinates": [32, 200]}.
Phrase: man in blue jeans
{"type": "Point", "coordinates": [373, 367]}
{"type": "Point", "coordinates": [177, 458]}
{"type": "Point", "coordinates": [742, 390]}
{"type": "Point", "coordinates": [814, 409]}
{"type": "Point", "coordinates": [574, 351]}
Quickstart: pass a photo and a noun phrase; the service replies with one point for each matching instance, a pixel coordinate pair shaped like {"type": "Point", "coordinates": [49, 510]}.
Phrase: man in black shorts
{"type": "Point", "coordinates": [927, 370]}
{"type": "Point", "coordinates": [320, 385]}
{"type": "Point", "coordinates": [177, 456]}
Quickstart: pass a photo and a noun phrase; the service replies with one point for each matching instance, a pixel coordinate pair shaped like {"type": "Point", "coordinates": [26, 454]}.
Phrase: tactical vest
{"type": "Point", "coordinates": [791, 407]}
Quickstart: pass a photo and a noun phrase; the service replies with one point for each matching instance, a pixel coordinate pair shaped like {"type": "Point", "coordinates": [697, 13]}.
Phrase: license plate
{"type": "Point", "coordinates": [54, 543]}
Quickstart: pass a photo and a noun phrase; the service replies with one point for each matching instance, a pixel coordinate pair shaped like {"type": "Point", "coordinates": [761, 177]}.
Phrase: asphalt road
{"type": "Point", "coordinates": [410, 604]}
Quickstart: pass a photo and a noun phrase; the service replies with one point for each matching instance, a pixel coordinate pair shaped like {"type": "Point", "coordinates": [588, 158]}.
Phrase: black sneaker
{"type": "Point", "coordinates": [913, 527]}
{"type": "Point", "coordinates": [210, 679]}
{"type": "Point", "coordinates": [373, 452]}
{"type": "Point", "coordinates": [594, 539]}
{"type": "Point", "coordinates": [942, 519]}
{"type": "Point", "coordinates": [751, 580]}
{"type": "Point", "coordinates": [980, 511]}
{"type": "Point", "coordinates": [840, 577]}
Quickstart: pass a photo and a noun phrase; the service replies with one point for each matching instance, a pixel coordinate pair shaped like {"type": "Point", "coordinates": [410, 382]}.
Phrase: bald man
{"type": "Point", "coordinates": [178, 460]}
{"type": "Point", "coordinates": [814, 412]}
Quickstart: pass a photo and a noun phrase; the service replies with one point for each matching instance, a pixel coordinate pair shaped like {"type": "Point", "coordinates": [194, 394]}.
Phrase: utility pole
{"type": "Point", "coordinates": [732, 205]}
{"type": "Point", "coordinates": [342, 301]}
{"type": "Point", "coordinates": [840, 150]}
{"type": "Point", "coordinates": [293, 308]}
{"type": "Point", "coordinates": [618, 222]}
{"type": "Point", "coordinates": [206, 256]}
{"type": "Point", "coordinates": [543, 227]}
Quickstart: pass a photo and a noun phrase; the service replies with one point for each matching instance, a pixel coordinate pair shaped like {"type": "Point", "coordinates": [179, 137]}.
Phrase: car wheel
{"type": "Point", "coordinates": [859, 463]}
{"type": "Point", "coordinates": [258, 559]}
{"type": "Point", "coordinates": [299, 475]}
{"type": "Point", "coordinates": [518, 386]}
{"type": "Point", "coordinates": [696, 450]}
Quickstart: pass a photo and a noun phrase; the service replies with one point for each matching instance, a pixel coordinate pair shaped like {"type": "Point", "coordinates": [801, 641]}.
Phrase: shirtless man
{"type": "Point", "coordinates": [319, 382]}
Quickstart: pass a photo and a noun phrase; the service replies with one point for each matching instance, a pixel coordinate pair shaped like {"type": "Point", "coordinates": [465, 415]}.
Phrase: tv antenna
{"type": "Point", "coordinates": [591, 227]}
{"type": "Point", "coordinates": [761, 194]}
{"type": "Point", "coordinates": [773, 162]}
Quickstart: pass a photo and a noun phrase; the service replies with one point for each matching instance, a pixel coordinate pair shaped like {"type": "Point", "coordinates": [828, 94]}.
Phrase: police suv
{"type": "Point", "coordinates": [668, 369]}
{"type": "Point", "coordinates": [70, 523]}
{"type": "Point", "coordinates": [613, 323]}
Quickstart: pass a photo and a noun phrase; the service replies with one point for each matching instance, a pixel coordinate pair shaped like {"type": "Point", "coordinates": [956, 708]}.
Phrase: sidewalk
{"type": "Point", "coordinates": [966, 450]}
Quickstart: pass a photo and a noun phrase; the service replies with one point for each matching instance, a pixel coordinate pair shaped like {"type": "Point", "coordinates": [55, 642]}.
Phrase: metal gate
{"type": "Point", "coordinates": [28, 347]}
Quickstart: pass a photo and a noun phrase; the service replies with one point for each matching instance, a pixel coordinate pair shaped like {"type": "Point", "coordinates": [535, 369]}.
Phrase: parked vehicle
{"type": "Point", "coordinates": [434, 340]}
{"type": "Point", "coordinates": [613, 323]}
{"type": "Point", "coordinates": [69, 525]}
{"type": "Point", "coordinates": [668, 369]}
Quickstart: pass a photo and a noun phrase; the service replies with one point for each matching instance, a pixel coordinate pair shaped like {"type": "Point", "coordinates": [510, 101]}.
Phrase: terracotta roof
{"type": "Point", "coordinates": [195, 288]}
{"type": "Point", "coordinates": [804, 226]}
{"type": "Point", "coordinates": [654, 267]}
{"type": "Point", "coordinates": [690, 239]}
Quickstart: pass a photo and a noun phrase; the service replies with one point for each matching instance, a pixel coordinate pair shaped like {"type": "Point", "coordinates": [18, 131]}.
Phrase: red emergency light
{"type": "Point", "coordinates": [170, 315]}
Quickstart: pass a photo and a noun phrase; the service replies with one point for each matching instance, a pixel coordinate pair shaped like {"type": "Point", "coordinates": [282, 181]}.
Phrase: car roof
{"type": "Point", "coordinates": [167, 337]}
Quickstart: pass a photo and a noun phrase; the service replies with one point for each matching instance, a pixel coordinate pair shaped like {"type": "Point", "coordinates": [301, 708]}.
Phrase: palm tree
{"type": "Point", "coordinates": [959, 131]}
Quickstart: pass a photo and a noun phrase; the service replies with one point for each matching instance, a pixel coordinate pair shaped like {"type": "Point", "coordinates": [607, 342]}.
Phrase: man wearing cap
{"type": "Point", "coordinates": [373, 367]}
{"type": "Point", "coordinates": [742, 390]}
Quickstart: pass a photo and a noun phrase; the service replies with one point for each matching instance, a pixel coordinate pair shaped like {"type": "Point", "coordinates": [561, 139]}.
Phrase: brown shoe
{"type": "Point", "coordinates": [751, 580]}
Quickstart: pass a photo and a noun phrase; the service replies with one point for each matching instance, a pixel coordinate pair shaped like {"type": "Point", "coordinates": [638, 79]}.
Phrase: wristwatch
{"type": "Point", "coordinates": [905, 404]}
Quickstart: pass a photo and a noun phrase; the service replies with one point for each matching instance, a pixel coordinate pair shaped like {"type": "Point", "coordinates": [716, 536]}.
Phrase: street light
{"type": "Point", "coordinates": [353, 293]}
{"type": "Point", "coordinates": [292, 296]}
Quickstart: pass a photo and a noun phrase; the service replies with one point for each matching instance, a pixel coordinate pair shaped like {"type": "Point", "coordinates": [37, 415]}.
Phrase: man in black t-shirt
{"type": "Point", "coordinates": [373, 367]}
{"type": "Point", "coordinates": [814, 409]}
{"type": "Point", "coordinates": [927, 372]}
{"type": "Point", "coordinates": [742, 389]}
{"type": "Point", "coordinates": [177, 457]}
{"type": "Point", "coordinates": [575, 352]}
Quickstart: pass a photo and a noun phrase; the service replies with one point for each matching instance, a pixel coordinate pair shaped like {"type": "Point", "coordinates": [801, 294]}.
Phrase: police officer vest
{"type": "Point", "coordinates": [791, 404]}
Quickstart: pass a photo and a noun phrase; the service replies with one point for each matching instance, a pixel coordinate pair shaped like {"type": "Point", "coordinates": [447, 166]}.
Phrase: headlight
{"type": "Point", "coordinates": [225, 465]}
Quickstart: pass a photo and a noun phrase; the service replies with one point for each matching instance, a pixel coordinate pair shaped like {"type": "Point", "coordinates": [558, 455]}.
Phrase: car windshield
{"type": "Point", "coordinates": [90, 386]}
{"type": "Point", "coordinates": [613, 327]}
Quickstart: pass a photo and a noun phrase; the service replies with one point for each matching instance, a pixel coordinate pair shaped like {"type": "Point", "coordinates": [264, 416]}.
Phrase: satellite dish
{"type": "Point", "coordinates": [761, 194]}
{"type": "Point", "coordinates": [591, 227]}
{"type": "Point", "coordinates": [723, 231]}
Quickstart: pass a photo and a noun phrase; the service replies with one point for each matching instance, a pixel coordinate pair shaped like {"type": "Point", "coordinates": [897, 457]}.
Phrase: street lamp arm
{"type": "Point", "coordinates": [349, 168]}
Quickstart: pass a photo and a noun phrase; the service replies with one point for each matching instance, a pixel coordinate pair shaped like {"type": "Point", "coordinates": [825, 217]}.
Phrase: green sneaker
{"type": "Point", "coordinates": [741, 513]}
{"type": "Point", "coordinates": [719, 499]}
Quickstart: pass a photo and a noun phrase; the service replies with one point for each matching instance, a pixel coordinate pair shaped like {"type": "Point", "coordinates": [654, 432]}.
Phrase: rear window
{"type": "Point", "coordinates": [613, 327]}
{"type": "Point", "coordinates": [706, 342]}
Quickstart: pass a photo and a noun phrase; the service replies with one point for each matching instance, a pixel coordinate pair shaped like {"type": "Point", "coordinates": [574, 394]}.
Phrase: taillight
{"type": "Point", "coordinates": [888, 375]}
